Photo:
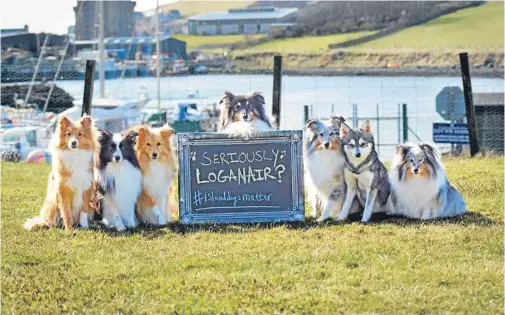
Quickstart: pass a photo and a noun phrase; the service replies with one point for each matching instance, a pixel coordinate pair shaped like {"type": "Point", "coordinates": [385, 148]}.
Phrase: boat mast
{"type": "Point", "coordinates": [158, 53]}
{"type": "Point", "coordinates": [101, 49]}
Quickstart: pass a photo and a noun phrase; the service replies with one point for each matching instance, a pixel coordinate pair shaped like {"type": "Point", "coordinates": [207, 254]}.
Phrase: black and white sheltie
{"type": "Point", "coordinates": [243, 115]}
{"type": "Point", "coordinates": [420, 186]}
{"type": "Point", "coordinates": [118, 178]}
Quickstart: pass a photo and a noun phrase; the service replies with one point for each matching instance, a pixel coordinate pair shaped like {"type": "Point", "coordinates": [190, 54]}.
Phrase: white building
{"type": "Point", "coordinates": [240, 21]}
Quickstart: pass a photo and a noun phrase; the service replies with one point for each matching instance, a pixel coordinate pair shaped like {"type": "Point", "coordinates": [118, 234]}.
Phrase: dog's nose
{"type": "Point", "coordinates": [73, 144]}
{"type": "Point", "coordinates": [326, 145]}
{"type": "Point", "coordinates": [155, 155]}
{"type": "Point", "coordinates": [117, 157]}
{"type": "Point", "coordinates": [416, 170]}
{"type": "Point", "coordinates": [358, 154]}
{"type": "Point", "coordinates": [245, 117]}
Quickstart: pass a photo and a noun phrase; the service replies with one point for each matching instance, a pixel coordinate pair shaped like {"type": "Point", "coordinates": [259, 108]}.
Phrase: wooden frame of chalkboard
{"type": "Point", "coordinates": [234, 180]}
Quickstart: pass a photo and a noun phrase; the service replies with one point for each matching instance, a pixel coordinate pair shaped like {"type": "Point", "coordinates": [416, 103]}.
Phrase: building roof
{"type": "Point", "coordinates": [123, 40]}
{"type": "Point", "coordinates": [483, 99]}
{"type": "Point", "coordinates": [260, 13]}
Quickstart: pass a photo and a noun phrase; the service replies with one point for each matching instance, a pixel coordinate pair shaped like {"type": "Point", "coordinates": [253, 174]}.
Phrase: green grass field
{"type": "Point", "coordinates": [478, 28]}
{"type": "Point", "coordinates": [307, 44]}
{"type": "Point", "coordinates": [392, 266]}
{"type": "Point", "coordinates": [198, 41]}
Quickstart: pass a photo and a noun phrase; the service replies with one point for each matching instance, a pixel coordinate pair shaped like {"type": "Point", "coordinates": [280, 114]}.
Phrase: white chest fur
{"type": "Point", "coordinates": [324, 169]}
{"type": "Point", "coordinates": [127, 186]}
{"type": "Point", "coordinates": [157, 181]}
{"type": "Point", "coordinates": [78, 163]}
{"type": "Point", "coordinates": [415, 193]}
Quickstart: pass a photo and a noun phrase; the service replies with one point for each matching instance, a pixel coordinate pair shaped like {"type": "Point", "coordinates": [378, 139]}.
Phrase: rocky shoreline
{"type": "Point", "coordinates": [387, 72]}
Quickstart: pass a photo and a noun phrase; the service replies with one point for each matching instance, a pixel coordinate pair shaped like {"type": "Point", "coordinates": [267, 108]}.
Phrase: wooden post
{"type": "Point", "coordinates": [88, 87]}
{"type": "Point", "coordinates": [405, 123]}
{"type": "Point", "coordinates": [305, 114]}
{"type": "Point", "coordinates": [276, 102]}
{"type": "Point", "coordinates": [470, 110]}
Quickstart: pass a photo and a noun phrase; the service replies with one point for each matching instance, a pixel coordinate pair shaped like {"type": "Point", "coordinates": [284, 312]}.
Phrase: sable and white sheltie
{"type": "Point", "coordinates": [420, 186]}
{"type": "Point", "coordinates": [157, 163]}
{"type": "Point", "coordinates": [243, 115]}
{"type": "Point", "coordinates": [324, 167]}
{"type": "Point", "coordinates": [118, 179]}
{"type": "Point", "coordinates": [70, 184]}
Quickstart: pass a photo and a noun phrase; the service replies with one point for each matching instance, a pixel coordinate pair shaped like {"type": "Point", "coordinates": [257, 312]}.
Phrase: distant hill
{"type": "Point", "coordinates": [331, 17]}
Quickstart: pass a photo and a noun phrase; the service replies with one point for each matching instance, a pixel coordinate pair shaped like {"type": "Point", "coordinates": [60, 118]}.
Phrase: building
{"type": "Point", "coordinates": [489, 121]}
{"type": "Point", "coordinates": [119, 19]}
{"type": "Point", "coordinates": [32, 42]}
{"type": "Point", "coordinates": [14, 31]}
{"type": "Point", "coordinates": [240, 21]}
{"type": "Point", "coordinates": [129, 47]}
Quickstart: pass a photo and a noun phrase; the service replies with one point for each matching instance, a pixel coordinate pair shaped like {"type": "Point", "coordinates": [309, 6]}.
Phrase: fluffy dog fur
{"type": "Point", "coordinates": [243, 115]}
{"type": "Point", "coordinates": [366, 177]}
{"type": "Point", "coordinates": [420, 186]}
{"type": "Point", "coordinates": [324, 167]}
{"type": "Point", "coordinates": [69, 188]}
{"type": "Point", "coordinates": [157, 163]}
{"type": "Point", "coordinates": [118, 179]}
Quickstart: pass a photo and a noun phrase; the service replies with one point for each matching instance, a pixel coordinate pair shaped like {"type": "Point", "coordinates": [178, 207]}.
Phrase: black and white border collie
{"type": "Point", "coordinates": [119, 179]}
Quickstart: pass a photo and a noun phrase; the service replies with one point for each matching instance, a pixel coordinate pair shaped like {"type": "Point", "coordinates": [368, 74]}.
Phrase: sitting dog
{"type": "Point", "coordinates": [324, 167]}
{"type": "Point", "coordinates": [365, 176]}
{"type": "Point", "coordinates": [420, 186]}
{"type": "Point", "coordinates": [119, 179]}
{"type": "Point", "coordinates": [157, 163]}
{"type": "Point", "coordinates": [70, 184]}
{"type": "Point", "coordinates": [243, 115]}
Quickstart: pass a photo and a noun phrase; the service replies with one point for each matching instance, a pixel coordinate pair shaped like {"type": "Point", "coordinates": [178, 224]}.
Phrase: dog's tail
{"type": "Point", "coordinates": [36, 223]}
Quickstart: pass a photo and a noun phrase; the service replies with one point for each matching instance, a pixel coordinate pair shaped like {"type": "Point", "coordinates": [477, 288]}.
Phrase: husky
{"type": "Point", "coordinates": [324, 167]}
{"type": "Point", "coordinates": [420, 187]}
{"type": "Point", "coordinates": [365, 176]}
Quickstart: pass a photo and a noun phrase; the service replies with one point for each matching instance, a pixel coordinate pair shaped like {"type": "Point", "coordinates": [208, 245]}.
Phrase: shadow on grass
{"type": "Point", "coordinates": [152, 232]}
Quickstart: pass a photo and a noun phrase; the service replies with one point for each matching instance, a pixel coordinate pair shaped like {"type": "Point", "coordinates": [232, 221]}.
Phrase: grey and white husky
{"type": "Point", "coordinates": [365, 176]}
{"type": "Point", "coordinates": [420, 187]}
{"type": "Point", "coordinates": [324, 167]}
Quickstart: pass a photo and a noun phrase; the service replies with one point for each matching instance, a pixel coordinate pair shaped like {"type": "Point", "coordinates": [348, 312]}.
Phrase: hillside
{"type": "Point", "coordinates": [478, 28]}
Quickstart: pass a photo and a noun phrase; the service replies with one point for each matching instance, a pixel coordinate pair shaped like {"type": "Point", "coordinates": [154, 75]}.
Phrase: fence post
{"type": "Point", "coordinates": [88, 87]}
{"type": "Point", "coordinates": [305, 114]}
{"type": "Point", "coordinates": [405, 123]}
{"type": "Point", "coordinates": [276, 102]}
{"type": "Point", "coordinates": [378, 131]}
{"type": "Point", "coordinates": [470, 110]}
{"type": "Point", "coordinates": [399, 124]}
{"type": "Point", "coordinates": [355, 115]}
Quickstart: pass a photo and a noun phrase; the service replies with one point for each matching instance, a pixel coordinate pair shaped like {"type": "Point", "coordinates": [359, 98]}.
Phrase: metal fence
{"type": "Point", "coordinates": [379, 99]}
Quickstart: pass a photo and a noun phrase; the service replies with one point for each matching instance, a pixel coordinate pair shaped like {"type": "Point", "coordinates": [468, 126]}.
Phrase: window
{"type": "Point", "coordinates": [31, 137]}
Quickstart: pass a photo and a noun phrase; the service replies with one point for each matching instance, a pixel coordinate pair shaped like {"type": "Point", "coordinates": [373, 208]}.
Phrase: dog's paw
{"type": "Point", "coordinates": [321, 219]}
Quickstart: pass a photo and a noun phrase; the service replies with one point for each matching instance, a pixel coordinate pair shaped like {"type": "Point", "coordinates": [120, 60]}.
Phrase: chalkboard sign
{"type": "Point", "coordinates": [230, 180]}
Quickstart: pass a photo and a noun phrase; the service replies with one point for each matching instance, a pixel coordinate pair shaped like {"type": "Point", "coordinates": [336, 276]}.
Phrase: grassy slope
{"type": "Point", "coordinates": [479, 28]}
{"type": "Point", "coordinates": [393, 266]}
{"type": "Point", "coordinates": [190, 7]}
{"type": "Point", "coordinates": [307, 44]}
{"type": "Point", "coordinates": [197, 41]}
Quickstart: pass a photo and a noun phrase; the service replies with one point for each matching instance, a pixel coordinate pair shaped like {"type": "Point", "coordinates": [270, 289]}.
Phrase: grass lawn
{"type": "Point", "coordinates": [197, 41]}
{"type": "Point", "coordinates": [307, 44]}
{"type": "Point", "coordinates": [478, 28]}
{"type": "Point", "coordinates": [390, 266]}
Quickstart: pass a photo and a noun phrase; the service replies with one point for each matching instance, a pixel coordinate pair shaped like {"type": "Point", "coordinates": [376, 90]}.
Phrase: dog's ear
{"type": "Point", "coordinates": [142, 131]}
{"type": "Point", "coordinates": [257, 98]}
{"type": "Point", "coordinates": [65, 123]}
{"type": "Point", "coordinates": [403, 149]}
{"type": "Point", "coordinates": [344, 129]}
{"type": "Point", "coordinates": [227, 98]}
{"type": "Point", "coordinates": [336, 121]}
{"type": "Point", "coordinates": [86, 122]}
{"type": "Point", "coordinates": [428, 149]}
{"type": "Point", "coordinates": [166, 132]}
{"type": "Point", "coordinates": [367, 126]}
{"type": "Point", "coordinates": [131, 135]}
{"type": "Point", "coordinates": [312, 124]}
